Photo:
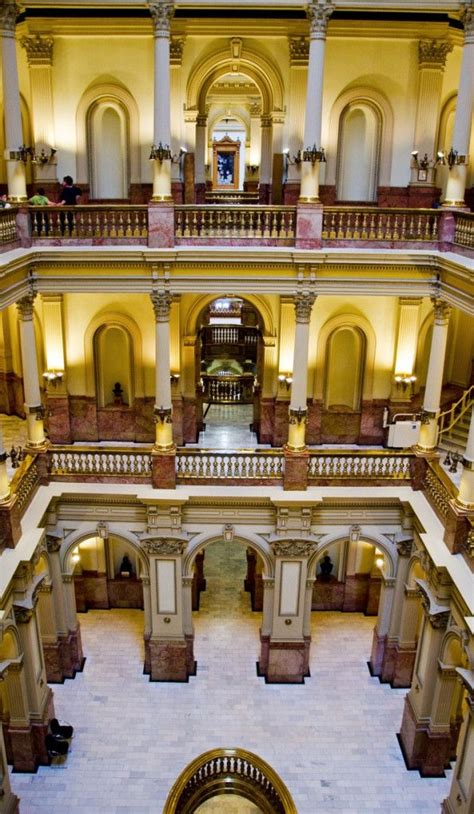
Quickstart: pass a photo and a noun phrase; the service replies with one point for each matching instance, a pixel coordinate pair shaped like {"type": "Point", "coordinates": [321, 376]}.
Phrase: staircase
{"type": "Point", "coordinates": [454, 423]}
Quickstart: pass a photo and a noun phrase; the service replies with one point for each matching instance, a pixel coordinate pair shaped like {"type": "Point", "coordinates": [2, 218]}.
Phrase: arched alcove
{"type": "Point", "coordinates": [344, 373]}
{"type": "Point", "coordinates": [366, 343]}
{"type": "Point", "coordinates": [108, 149]}
{"type": "Point", "coordinates": [113, 363]}
{"type": "Point", "coordinates": [360, 128]}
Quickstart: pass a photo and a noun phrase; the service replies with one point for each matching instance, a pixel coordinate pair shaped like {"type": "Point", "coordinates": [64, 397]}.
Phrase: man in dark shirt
{"type": "Point", "coordinates": [69, 197]}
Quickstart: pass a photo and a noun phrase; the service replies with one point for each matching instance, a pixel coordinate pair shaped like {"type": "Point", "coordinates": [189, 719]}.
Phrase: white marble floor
{"type": "Point", "coordinates": [332, 740]}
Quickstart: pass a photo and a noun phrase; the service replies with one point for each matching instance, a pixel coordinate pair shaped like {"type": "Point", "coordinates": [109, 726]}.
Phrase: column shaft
{"type": "Point", "coordinates": [31, 384]}
{"type": "Point", "coordinates": [434, 378]}
{"type": "Point", "coordinates": [163, 403]}
{"type": "Point", "coordinates": [200, 153]}
{"type": "Point", "coordinates": [466, 487]}
{"type": "Point", "coordinates": [162, 14]}
{"type": "Point", "coordinates": [298, 407]}
{"type": "Point", "coordinates": [11, 96]}
{"type": "Point", "coordinates": [463, 119]}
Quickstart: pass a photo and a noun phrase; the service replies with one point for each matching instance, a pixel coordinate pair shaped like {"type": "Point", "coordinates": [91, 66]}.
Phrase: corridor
{"type": "Point", "coordinates": [332, 740]}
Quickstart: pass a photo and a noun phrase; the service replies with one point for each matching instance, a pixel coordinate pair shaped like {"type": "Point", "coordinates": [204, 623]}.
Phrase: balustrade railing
{"type": "Point", "coordinates": [128, 224]}
{"type": "Point", "coordinates": [106, 462]}
{"type": "Point", "coordinates": [228, 389]}
{"type": "Point", "coordinates": [359, 466]}
{"type": "Point", "coordinates": [8, 233]}
{"type": "Point", "coordinates": [381, 225]}
{"type": "Point", "coordinates": [24, 483]}
{"type": "Point", "coordinates": [269, 224]}
{"type": "Point", "coordinates": [450, 417]}
{"type": "Point", "coordinates": [464, 230]}
{"type": "Point", "coordinates": [241, 465]}
{"type": "Point", "coordinates": [439, 489]}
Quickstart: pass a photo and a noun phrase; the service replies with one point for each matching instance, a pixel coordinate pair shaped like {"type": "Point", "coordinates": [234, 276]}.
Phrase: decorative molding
{"type": "Point", "coordinates": [25, 307]}
{"type": "Point", "coordinates": [304, 302]}
{"type": "Point", "coordinates": [293, 548]}
{"type": "Point", "coordinates": [161, 301]}
{"type": "Point", "coordinates": [442, 311]}
{"type": "Point", "coordinates": [9, 11]}
{"type": "Point", "coordinates": [467, 18]}
{"type": "Point", "coordinates": [176, 50]}
{"type": "Point", "coordinates": [319, 12]}
{"type": "Point", "coordinates": [433, 53]}
{"type": "Point", "coordinates": [299, 50]}
{"type": "Point", "coordinates": [161, 13]}
{"type": "Point", "coordinates": [164, 546]}
{"type": "Point", "coordinates": [53, 542]}
{"type": "Point", "coordinates": [39, 49]}
{"type": "Point", "coordinates": [437, 614]}
{"type": "Point", "coordinates": [404, 547]}
{"type": "Point", "coordinates": [22, 615]}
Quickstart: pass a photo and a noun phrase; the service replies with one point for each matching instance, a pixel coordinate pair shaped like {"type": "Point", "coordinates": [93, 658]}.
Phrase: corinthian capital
{"type": "Point", "coordinates": [162, 14]}
{"type": "Point", "coordinates": [161, 301]}
{"type": "Point", "coordinates": [466, 14]}
{"type": "Point", "coordinates": [39, 50]}
{"type": "Point", "coordinates": [9, 11]}
{"type": "Point", "coordinates": [319, 12]}
{"type": "Point", "coordinates": [433, 53]}
{"type": "Point", "coordinates": [442, 311]}
{"type": "Point", "coordinates": [304, 302]}
{"type": "Point", "coordinates": [25, 307]}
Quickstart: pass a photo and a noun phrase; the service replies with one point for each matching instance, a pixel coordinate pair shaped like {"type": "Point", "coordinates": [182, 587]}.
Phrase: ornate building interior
{"type": "Point", "coordinates": [236, 400]}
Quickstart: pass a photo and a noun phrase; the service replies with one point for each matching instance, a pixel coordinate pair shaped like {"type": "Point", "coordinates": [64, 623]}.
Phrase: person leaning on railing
{"type": "Point", "coordinates": [41, 220]}
{"type": "Point", "coordinates": [69, 196]}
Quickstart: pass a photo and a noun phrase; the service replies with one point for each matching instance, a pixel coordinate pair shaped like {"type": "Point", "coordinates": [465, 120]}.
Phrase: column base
{"type": "Point", "coordinates": [161, 224]}
{"type": "Point", "coordinates": [283, 662]}
{"type": "Point", "coordinates": [296, 469]}
{"type": "Point", "coordinates": [10, 803]}
{"type": "Point", "coordinates": [171, 660]}
{"type": "Point", "coordinates": [53, 662]}
{"type": "Point", "coordinates": [423, 750]}
{"type": "Point", "coordinates": [147, 661]}
{"type": "Point", "coordinates": [163, 469]}
{"type": "Point", "coordinates": [397, 665]}
{"type": "Point", "coordinates": [24, 756]}
{"type": "Point", "coordinates": [71, 658]}
{"type": "Point", "coordinates": [379, 644]}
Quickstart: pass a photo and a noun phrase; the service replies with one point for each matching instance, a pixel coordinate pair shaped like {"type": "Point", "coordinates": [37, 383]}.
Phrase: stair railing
{"type": "Point", "coordinates": [449, 418]}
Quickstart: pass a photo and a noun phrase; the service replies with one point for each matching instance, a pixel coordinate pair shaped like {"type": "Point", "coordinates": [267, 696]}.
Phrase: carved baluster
{"type": "Point", "coordinates": [372, 234]}
{"type": "Point", "coordinates": [121, 227]}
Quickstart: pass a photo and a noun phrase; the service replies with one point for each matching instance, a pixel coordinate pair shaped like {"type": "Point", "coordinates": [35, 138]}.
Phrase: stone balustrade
{"type": "Point", "coordinates": [8, 228]}
{"type": "Point", "coordinates": [96, 225]}
{"type": "Point", "coordinates": [235, 225]}
{"type": "Point", "coordinates": [345, 225]}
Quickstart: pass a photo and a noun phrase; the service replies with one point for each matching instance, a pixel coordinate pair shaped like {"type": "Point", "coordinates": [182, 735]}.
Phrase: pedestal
{"type": "Point", "coordinates": [423, 750]}
{"type": "Point", "coordinates": [296, 470]}
{"type": "Point", "coordinates": [163, 469]}
{"type": "Point", "coordinates": [397, 665]}
{"type": "Point", "coordinates": [377, 654]}
{"type": "Point", "coordinates": [160, 225]}
{"type": "Point", "coordinates": [309, 226]}
{"type": "Point", "coordinates": [10, 527]}
{"type": "Point", "coordinates": [170, 660]}
{"type": "Point", "coordinates": [457, 528]}
{"type": "Point", "coordinates": [283, 662]}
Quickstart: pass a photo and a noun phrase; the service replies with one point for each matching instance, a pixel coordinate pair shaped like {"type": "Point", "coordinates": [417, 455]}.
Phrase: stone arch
{"type": "Point", "coordinates": [377, 101]}
{"type": "Point", "coordinates": [348, 392]}
{"type": "Point", "coordinates": [264, 73]}
{"type": "Point", "coordinates": [254, 541]}
{"type": "Point", "coordinates": [360, 131]}
{"type": "Point", "coordinates": [10, 646]}
{"type": "Point", "coordinates": [115, 531]}
{"type": "Point", "coordinates": [416, 571]}
{"type": "Point", "coordinates": [372, 537]}
{"type": "Point", "coordinates": [219, 113]}
{"type": "Point", "coordinates": [201, 302]}
{"type": "Point", "coordinates": [333, 323]}
{"type": "Point", "coordinates": [111, 318]}
{"type": "Point", "coordinates": [453, 652]}
{"type": "Point", "coordinates": [107, 88]}
{"type": "Point", "coordinates": [101, 149]}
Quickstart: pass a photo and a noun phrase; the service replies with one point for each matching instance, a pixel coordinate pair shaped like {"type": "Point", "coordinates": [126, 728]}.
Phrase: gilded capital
{"type": "Point", "coordinates": [466, 13]}
{"type": "Point", "coordinates": [39, 50]}
{"type": "Point", "coordinates": [319, 12]}
{"type": "Point", "coordinates": [25, 307]}
{"type": "Point", "coordinates": [9, 12]}
{"type": "Point", "coordinates": [442, 312]}
{"type": "Point", "coordinates": [161, 14]}
{"type": "Point", "coordinates": [176, 50]}
{"type": "Point", "coordinates": [304, 302]}
{"type": "Point", "coordinates": [299, 50]}
{"type": "Point", "coordinates": [433, 53]}
{"type": "Point", "coordinates": [161, 301]}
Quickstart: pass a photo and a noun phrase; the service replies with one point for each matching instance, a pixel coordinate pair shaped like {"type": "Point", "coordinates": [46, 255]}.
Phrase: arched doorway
{"type": "Point", "coordinates": [229, 366]}
{"type": "Point", "coordinates": [108, 149]}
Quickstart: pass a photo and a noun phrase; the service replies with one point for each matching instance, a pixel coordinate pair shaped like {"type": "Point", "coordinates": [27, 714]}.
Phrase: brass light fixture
{"type": "Point", "coordinates": [160, 153]}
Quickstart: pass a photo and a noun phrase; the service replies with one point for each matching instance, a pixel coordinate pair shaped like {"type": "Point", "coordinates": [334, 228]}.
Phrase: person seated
{"type": "Point", "coordinates": [56, 745]}
{"type": "Point", "coordinates": [60, 729]}
{"type": "Point", "coordinates": [126, 568]}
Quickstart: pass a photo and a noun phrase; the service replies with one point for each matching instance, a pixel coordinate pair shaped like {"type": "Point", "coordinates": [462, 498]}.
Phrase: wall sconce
{"type": "Point", "coordinates": [75, 556]}
{"type": "Point", "coordinates": [285, 379]}
{"type": "Point", "coordinates": [160, 153]}
{"type": "Point", "coordinates": [354, 534]}
{"type": "Point", "coordinates": [42, 157]}
{"type": "Point", "coordinates": [314, 154]}
{"type": "Point", "coordinates": [452, 159]}
{"type": "Point", "coordinates": [53, 377]}
{"type": "Point", "coordinates": [405, 380]}
{"type": "Point", "coordinates": [253, 168]}
{"type": "Point", "coordinates": [423, 165]}
{"type": "Point", "coordinates": [21, 154]}
{"type": "Point", "coordinates": [228, 532]}
{"type": "Point", "coordinates": [379, 559]}
{"type": "Point", "coordinates": [289, 160]}
{"type": "Point", "coordinates": [174, 378]}
{"type": "Point", "coordinates": [16, 455]}
{"type": "Point", "coordinates": [178, 156]}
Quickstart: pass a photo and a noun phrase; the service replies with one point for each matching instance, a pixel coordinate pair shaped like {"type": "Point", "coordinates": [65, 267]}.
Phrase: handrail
{"type": "Point", "coordinates": [8, 232]}
{"type": "Point", "coordinates": [218, 770]}
{"type": "Point", "coordinates": [24, 482]}
{"type": "Point", "coordinates": [465, 401]}
{"type": "Point", "coordinates": [464, 229]}
{"type": "Point", "coordinates": [100, 461]}
{"type": "Point", "coordinates": [90, 221]}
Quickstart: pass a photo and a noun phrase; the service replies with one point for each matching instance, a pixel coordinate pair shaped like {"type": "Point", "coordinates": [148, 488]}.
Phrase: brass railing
{"type": "Point", "coordinates": [228, 389]}
{"type": "Point", "coordinates": [240, 465]}
{"type": "Point", "coordinates": [108, 222]}
{"type": "Point", "coordinates": [24, 483]}
{"type": "Point", "coordinates": [440, 489]}
{"type": "Point", "coordinates": [363, 465]}
{"type": "Point", "coordinates": [380, 224]}
{"type": "Point", "coordinates": [464, 232]}
{"type": "Point", "coordinates": [105, 462]}
{"type": "Point", "coordinates": [8, 233]}
{"type": "Point", "coordinates": [219, 222]}
{"type": "Point", "coordinates": [450, 417]}
{"type": "Point", "coordinates": [236, 771]}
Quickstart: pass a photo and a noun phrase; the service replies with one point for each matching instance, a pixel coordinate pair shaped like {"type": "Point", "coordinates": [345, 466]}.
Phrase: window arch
{"type": "Point", "coordinates": [113, 363]}
{"type": "Point", "coordinates": [358, 158]}
{"type": "Point", "coordinates": [108, 149]}
{"type": "Point", "coordinates": [344, 369]}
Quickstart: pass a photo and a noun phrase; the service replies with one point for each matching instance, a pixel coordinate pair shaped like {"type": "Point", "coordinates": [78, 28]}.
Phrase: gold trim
{"type": "Point", "coordinates": [453, 203]}
{"type": "Point", "coordinates": [227, 782]}
{"type": "Point", "coordinates": [310, 199]}
{"type": "Point", "coordinates": [162, 198]}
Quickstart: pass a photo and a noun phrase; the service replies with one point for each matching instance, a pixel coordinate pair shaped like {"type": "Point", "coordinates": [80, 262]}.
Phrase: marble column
{"type": "Point", "coordinates": [162, 14]}
{"type": "Point", "coordinates": [74, 640]}
{"type": "Point", "coordinates": [200, 157]}
{"type": "Point", "coordinates": [456, 185]}
{"type": "Point", "coordinates": [39, 51]}
{"type": "Point", "coordinates": [161, 301]}
{"type": "Point", "coordinates": [381, 629]}
{"type": "Point", "coordinates": [4, 482]}
{"type": "Point", "coordinates": [20, 736]}
{"type": "Point", "coordinates": [461, 794]}
{"type": "Point", "coordinates": [431, 63]}
{"type": "Point", "coordinates": [286, 642]}
{"type": "Point", "coordinates": [57, 398]}
{"type": "Point", "coordinates": [319, 12]}
{"type": "Point", "coordinates": [298, 403]}
{"type": "Point", "coordinates": [33, 407]}
{"type": "Point", "coordinates": [299, 56]}
{"type": "Point", "coordinates": [423, 748]}
{"type": "Point", "coordinates": [465, 496]}
{"type": "Point", "coordinates": [265, 159]}
{"type": "Point", "coordinates": [405, 355]}
{"type": "Point", "coordinates": [434, 379]}
{"type": "Point", "coordinates": [16, 169]}
{"type": "Point", "coordinates": [397, 664]}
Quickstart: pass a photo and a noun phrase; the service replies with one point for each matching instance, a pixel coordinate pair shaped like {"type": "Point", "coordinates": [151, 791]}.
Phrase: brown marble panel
{"type": "Point", "coordinates": [10, 526]}
{"type": "Point", "coordinates": [116, 423]}
{"type": "Point", "coordinates": [338, 427]}
{"type": "Point", "coordinates": [144, 427]}
{"type": "Point", "coordinates": [371, 419]}
{"type": "Point", "coordinates": [266, 434]}
{"type": "Point", "coordinates": [178, 420]}
{"type": "Point", "coordinates": [422, 749]}
{"type": "Point", "coordinates": [377, 654]}
{"type": "Point", "coordinates": [11, 394]}
{"type": "Point", "coordinates": [313, 427]}
{"type": "Point", "coordinates": [22, 749]}
{"type": "Point", "coordinates": [160, 225]}
{"type": "Point", "coordinates": [59, 425]}
{"type": "Point", "coordinates": [287, 662]}
{"type": "Point", "coordinates": [83, 417]}
{"type": "Point", "coordinates": [190, 421]}
{"type": "Point", "coordinates": [147, 662]}
{"type": "Point", "coordinates": [125, 593]}
{"type": "Point", "coordinates": [91, 591]}
{"type": "Point", "coordinates": [53, 662]}
{"type": "Point", "coordinates": [163, 470]}
{"type": "Point", "coordinates": [373, 597]}
{"type": "Point", "coordinates": [356, 590]}
{"type": "Point", "coordinates": [328, 594]}
{"type": "Point", "coordinates": [168, 660]}
{"type": "Point", "coordinates": [296, 471]}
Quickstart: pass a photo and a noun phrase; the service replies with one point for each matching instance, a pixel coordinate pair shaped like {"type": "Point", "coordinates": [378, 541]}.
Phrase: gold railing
{"type": "Point", "coordinates": [363, 465]}
{"type": "Point", "coordinates": [8, 232]}
{"type": "Point", "coordinates": [105, 462]}
{"type": "Point", "coordinates": [24, 483]}
{"type": "Point", "coordinates": [449, 418]}
{"type": "Point", "coordinates": [236, 771]}
{"type": "Point", "coordinates": [266, 223]}
{"type": "Point", "coordinates": [114, 222]}
{"type": "Point", "coordinates": [464, 232]}
{"type": "Point", "coordinates": [440, 489]}
{"type": "Point", "coordinates": [240, 465]}
{"type": "Point", "coordinates": [380, 224]}
{"type": "Point", "coordinates": [228, 389]}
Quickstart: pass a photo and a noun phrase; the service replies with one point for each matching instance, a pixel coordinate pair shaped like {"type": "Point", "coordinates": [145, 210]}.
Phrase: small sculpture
{"type": "Point", "coordinates": [326, 565]}
{"type": "Point", "coordinates": [126, 568]}
{"type": "Point", "coordinates": [118, 393]}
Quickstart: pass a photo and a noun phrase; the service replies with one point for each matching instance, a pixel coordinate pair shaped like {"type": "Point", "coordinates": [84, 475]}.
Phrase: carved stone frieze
{"type": "Point", "coordinates": [161, 301]}
{"type": "Point", "coordinates": [22, 615]}
{"type": "Point", "coordinates": [304, 302]}
{"type": "Point", "coordinates": [319, 12]}
{"type": "Point", "coordinates": [433, 53]}
{"type": "Point", "coordinates": [293, 548]}
{"type": "Point", "coordinates": [39, 49]}
{"type": "Point", "coordinates": [164, 546]}
{"type": "Point", "coordinates": [404, 547]}
{"type": "Point", "coordinates": [299, 50]}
